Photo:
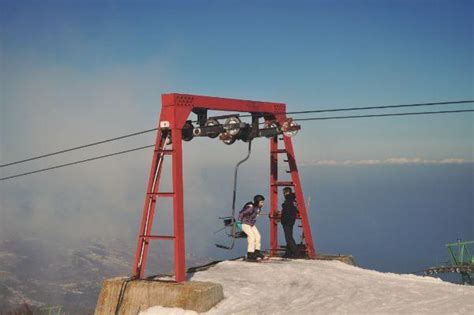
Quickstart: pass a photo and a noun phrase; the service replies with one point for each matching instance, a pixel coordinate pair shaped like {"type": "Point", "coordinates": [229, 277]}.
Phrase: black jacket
{"type": "Point", "coordinates": [289, 210]}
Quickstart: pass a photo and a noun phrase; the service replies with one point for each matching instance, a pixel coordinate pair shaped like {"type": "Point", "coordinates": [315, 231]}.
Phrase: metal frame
{"type": "Point", "coordinates": [175, 110]}
{"type": "Point", "coordinates": [462, 255]}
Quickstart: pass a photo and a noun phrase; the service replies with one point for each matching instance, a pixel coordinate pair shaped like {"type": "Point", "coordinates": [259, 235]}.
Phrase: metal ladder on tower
{"type": "Point", "coordinates": [296, 185]}
{"type": "Point", "coordinates": [144, 236]}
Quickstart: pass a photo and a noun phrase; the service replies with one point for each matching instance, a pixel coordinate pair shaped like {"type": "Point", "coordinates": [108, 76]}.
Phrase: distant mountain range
{"type": "Point", "coordinates": [42, 273]}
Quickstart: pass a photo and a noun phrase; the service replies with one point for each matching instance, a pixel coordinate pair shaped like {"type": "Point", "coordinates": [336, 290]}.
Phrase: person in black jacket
{"type": "Point", "coordinates": [288, 217]}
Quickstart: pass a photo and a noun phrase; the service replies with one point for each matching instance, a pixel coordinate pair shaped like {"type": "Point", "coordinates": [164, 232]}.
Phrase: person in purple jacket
{"type": "Point", "coordinates": [248, 218]}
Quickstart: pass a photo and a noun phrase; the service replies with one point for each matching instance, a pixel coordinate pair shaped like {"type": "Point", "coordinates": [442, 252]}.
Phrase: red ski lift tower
{"type": "Point", "coordinates": [174, 127]}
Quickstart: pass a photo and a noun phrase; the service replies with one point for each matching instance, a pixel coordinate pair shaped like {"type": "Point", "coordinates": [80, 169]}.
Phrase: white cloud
{"type": "Point", "coordinates": [389, 161]}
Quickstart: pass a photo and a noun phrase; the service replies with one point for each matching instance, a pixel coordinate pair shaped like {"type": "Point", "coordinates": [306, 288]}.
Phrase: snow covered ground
{"type": "Point", "coordinates": [322, 287]}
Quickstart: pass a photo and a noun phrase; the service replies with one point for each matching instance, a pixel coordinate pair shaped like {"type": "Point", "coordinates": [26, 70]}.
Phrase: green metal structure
{"type": "Point", "coordinates": [462, 262]}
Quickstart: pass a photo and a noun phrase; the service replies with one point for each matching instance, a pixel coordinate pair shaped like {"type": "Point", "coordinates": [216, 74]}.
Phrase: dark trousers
{"type": "Point", "coordinates": [291, 248]}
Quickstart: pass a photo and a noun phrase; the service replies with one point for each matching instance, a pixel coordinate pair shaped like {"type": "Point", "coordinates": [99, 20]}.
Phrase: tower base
{"type": "Point", "coordinates": [119, 296]}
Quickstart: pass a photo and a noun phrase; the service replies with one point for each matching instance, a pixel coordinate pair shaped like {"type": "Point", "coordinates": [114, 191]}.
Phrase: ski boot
{"type": "Point", "coordinates": [251, 257]}
{"type": "Point", "coordinates": [259, 254]}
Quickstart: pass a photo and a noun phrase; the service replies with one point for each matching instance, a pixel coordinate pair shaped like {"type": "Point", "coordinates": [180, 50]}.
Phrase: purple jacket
{"type": "Point", "coordinates": [248, 214]}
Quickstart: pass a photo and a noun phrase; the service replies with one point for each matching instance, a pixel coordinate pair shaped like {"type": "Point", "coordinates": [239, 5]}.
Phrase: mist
{"type": "Point", "coordinates": [54, 109]}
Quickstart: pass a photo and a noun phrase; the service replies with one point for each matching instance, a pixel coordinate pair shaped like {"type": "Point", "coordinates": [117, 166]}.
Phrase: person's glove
{"type": "Point", "coordinates": [238, 225]}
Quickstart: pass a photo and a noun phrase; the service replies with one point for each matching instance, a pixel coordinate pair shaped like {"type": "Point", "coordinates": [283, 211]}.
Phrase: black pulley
{"type": "Point", "coordinates": [212, 123]}
{"type": "Point", "coordinates": [187, 131]}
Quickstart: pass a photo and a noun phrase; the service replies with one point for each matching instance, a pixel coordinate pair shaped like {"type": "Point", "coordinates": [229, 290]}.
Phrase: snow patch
{"type": "Point", "coordinates": [322, 287]}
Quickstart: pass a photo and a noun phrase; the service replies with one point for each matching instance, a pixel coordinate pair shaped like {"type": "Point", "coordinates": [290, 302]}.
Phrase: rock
{"type": "Point", "coordinates": [348, 259]}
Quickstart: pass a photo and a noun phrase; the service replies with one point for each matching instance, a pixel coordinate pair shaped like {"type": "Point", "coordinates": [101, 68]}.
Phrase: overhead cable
{"type": "Point", "coordinates": [80, 147]}
{"type": "Point", "coordinates": [77, 162]}
{"type": "Point", "coordinates": [385, 115]}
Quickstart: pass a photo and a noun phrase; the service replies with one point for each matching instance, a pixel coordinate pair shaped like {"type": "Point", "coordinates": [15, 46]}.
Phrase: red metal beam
{"type": "Point", "coordinates": [273, 195]}
{"type": "Point", "coordinates": [219, 103]}
{"type": "Point", "coordinates": [178, 202]}
{"type": "Point", "coordinates": [295, 177]}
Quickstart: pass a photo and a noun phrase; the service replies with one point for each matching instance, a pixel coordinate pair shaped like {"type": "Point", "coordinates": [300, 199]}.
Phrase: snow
{"type": "Point", "coordinates": [322, 287]}
{"type": "Point", "coordinates": [167, 310]}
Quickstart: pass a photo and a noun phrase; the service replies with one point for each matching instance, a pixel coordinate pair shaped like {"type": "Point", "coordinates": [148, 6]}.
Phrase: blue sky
{"type": "Point", "coordinates": [308, 54]}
